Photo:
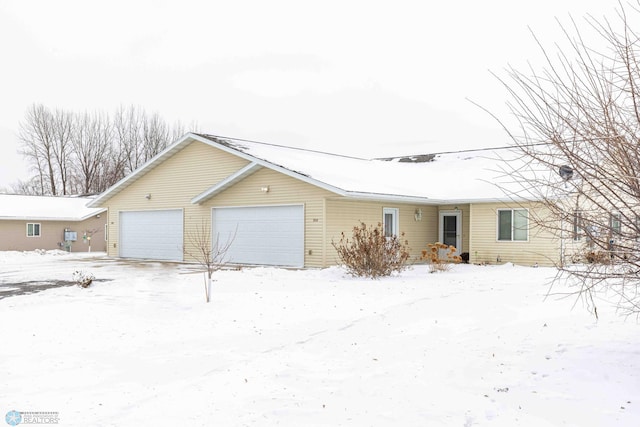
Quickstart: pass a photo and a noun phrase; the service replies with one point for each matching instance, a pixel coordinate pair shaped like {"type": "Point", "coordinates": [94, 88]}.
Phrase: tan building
{"type": "Point", "coordinates": [284, 206]}
{"type": "Point", "coordinates": [41, 222]}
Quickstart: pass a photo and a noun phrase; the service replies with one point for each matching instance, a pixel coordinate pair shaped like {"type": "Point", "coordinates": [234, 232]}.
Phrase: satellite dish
{"type": "Point", "coordinates": [566, 172]}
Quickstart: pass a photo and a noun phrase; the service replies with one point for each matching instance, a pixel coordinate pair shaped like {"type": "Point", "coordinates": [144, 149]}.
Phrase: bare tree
{"type": "Point", "coordinates": [62, 145]}
{"type": "Point", "coordinates": [45, 136]}
{"type": "Point", "coordinates": [92, 148]}
{"type": "Point", "coordinates": [89, 152]}
{"type": "Point", "coordinates": [579, 132]}
{"type": "Point", "coordinates": [128, 123]}
{"type": "Point", "coordinates": [210, 253]}
{"type": "Point", "coordinates": [37, 138]}
{"type": "Point", "coordinates": [140, 136]}
{"type": "Point", "coordinates": [156, 135]}
{"type": "Point", "coordinates": [32, 187]}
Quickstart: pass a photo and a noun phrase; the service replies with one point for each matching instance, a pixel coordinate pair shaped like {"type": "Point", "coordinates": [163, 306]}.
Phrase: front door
{"type": "Point", "coordinates": [451, 229]}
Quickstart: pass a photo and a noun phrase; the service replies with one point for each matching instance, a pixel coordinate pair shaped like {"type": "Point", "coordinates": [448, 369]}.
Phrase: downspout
{"type": "Point", "coordinates": [562, 241]}
{"type": "Point", "coordinates": [470, 231]}
{"type": "Point", "coordinates": [324, 232]}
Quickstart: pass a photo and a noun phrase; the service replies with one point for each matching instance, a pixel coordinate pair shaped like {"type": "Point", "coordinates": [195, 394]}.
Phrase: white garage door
{"type": "Point", "coordinates": [151, 234]}
{"type": "Point", "coordinates": [264, 235]}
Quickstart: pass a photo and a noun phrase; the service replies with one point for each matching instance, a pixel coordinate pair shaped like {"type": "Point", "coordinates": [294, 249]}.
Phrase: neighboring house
{"type": "Point", "coordinates": [42, 222]}
{"type": "Point", "coordinates": [284, 206]}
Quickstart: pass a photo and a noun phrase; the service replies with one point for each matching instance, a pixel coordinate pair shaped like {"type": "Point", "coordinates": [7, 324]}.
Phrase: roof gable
{"type": "Point", "coordinates": [223, 144]}
{"type": "Point", "coordinates": [226, 183]}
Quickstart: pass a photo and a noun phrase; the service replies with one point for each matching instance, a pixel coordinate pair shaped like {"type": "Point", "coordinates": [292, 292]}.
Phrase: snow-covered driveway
{"type": "Point", "coordinates": [470, 347]}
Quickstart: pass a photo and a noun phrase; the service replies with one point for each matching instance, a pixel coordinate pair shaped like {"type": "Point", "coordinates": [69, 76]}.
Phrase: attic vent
{"type": "Point", "coordinates": [422, 158]}
{"type": "Point", "coordinates": [566, 172]}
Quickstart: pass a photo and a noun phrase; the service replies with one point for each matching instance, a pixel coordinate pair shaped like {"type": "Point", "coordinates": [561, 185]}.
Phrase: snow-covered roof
{"type": "Point", "coordinates": [46, 208]}
{"type": "Point", "coordinates": [463, 176]}
{"type": "Point", "coordinates": [454, 177]}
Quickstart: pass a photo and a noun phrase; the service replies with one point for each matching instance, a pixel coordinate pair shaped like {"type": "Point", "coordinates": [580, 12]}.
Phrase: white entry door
{"type": "Point", "coordinates": [263, 235]}
{"type": "Point", "coordinates": [450, 229]}
{"type": "Point", "coordinates": [156, 234]}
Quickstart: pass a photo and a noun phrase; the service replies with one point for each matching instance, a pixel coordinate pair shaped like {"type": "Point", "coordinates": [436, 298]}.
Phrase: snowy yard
{"type": "Point", "coordinates": [474, 346]}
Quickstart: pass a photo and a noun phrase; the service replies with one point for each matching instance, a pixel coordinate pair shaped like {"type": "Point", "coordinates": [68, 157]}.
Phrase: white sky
{"type": "Point", "coordinates": [355, 77]}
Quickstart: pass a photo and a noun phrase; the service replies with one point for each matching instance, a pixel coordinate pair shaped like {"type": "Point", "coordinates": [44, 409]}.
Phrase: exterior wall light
{"type": "Point", "coordinates": [418, 214]}
{"type": "Point", "coordinates": [264, 189]}
{"type": "Point", "coordinates": [148, 196]}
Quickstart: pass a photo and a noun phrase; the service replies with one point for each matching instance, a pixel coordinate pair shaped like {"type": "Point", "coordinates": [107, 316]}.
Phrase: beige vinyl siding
{"type": "Point", "coordinates": [343, 214]}
{"type": "Point", "coordinates": [14, 235]}
{"type": "Point", "coordinates": [172, 185]}
{"type": "Point", "coordinates": [484, 247]}
{"type": "Point", "coordinates": [577, 249]}
{"type": "Point", "coordinates": [464, 209]}
{"type": "Point", "coordinates": [198, 167]}
{"type": "Point", "coordinates": [283, 190]}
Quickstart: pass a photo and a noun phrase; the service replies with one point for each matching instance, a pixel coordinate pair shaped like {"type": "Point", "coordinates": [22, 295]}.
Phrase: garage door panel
{"type": "Point", "coordinates": [152, 234]}
{"type": "Point", "coordinates": [265, 235]}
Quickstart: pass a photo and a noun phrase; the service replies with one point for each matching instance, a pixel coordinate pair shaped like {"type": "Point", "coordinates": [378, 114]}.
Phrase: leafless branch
{"type": "Point", "coordinates": [581, 113]}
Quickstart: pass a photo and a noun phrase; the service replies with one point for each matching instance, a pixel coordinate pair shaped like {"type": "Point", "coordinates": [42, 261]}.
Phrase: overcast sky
{"type": "Point", "coordinates": [356, 77]}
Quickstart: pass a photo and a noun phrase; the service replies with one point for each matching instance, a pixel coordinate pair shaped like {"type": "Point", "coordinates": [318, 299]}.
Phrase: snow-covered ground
{"type": "Point", "coordinates": [474, 346]}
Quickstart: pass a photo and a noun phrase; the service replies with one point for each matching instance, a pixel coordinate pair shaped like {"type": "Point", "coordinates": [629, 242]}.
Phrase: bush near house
{"type": "Point", "coordinates": [433, 255]}
{"type": "Point", "coordinates": [369, 253]}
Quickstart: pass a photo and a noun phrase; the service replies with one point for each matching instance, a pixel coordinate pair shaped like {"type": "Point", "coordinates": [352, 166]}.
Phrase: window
{"type": "Point", "coordinates": [390, 221]}
{"type": "Point", "coordinates": [577, 225]}
{"type": "Point", "coordinates": [513, 225]}
{"type": "Point", "coordinates": [615, 223]}
{"type": "Point", "coordinates": [33, 230]}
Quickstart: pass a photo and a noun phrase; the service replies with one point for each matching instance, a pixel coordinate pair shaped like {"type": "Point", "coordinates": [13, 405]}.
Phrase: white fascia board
{"type": "Point", "coordinates": [226, 183]}
{"type": "Point", "coordinates": [389, 198]}
{"type": "Point", "coordinates": [38, 218]}
{"type": "Point", "coordinates": [51, 218]}
{"type": "Point", "coordinates": [489, 200]}
{"type": "Point", "coordinates": [100, 212]}
{"type": "Point", "coordinates": [428, 201]}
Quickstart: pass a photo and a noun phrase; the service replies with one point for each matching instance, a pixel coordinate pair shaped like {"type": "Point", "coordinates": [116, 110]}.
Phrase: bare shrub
{"type": "Point", "coordinates": [369, 253]}
{"type": "Point", "coordinates": [83, 279]}
{"type": "Point", "coordinates": [438, 262]}
{"type": "Point", "coordinates": [597, 257]}
{"type": "Point", "coordinates": [210, 253]}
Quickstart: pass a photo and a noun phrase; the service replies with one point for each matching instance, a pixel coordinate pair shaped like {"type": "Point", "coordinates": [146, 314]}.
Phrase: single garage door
{"type": "Point", "coordinates": [264, 235]}
{"type": "Point", "coordinates": [151, 234]}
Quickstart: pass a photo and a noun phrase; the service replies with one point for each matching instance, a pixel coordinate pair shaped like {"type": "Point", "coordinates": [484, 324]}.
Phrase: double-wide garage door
{"type": "Point", "coordinates": [152, 234]}
{"type": "Point", "coordinates": [264, 235]}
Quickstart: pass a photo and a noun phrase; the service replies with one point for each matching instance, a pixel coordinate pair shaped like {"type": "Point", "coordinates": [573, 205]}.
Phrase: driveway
{"type": "Point", "coordinates": [11, 289]}
{"type": "Point", "coordinates": [18, 278]}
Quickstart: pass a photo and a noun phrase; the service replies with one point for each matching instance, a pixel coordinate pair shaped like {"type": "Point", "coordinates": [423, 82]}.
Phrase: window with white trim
{"type": "Point", "coordinates": [33, 229]}
{"type": "Point", "coordinates": [578, 230]}
{"type": "Point", "coordinates": [390, 221]}
{"type": "Point", "coordinates": [615, 222]}
{"type": "Point", "coordinates": [513, 225]}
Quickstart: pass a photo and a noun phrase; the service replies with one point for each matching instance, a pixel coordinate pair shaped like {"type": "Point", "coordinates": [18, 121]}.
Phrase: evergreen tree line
{"type": "Point", "coordinates": [85, 153]}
